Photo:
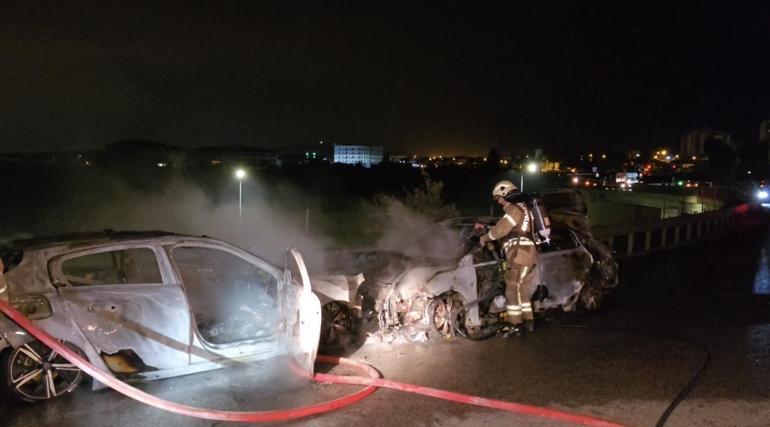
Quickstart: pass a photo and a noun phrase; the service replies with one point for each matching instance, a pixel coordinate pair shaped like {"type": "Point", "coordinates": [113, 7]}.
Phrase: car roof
{"type": "Point", "coordinates": [85, 238]}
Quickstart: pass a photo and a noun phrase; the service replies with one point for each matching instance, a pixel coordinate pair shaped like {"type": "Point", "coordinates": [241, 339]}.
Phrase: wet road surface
{"type": "Point", "coordinates": [672, 310]}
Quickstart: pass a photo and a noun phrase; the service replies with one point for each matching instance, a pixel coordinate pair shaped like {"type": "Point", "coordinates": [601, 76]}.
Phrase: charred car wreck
{"type": "Point", "coordinates": [149, 305]}
{"type": "Point", "coordinates": [410, 296]}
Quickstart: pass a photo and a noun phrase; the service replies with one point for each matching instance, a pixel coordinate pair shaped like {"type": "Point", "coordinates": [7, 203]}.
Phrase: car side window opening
{"type": "Point", "coordinates": [128, 266]}
{"type": "Point", "coordinates": [231, 298]}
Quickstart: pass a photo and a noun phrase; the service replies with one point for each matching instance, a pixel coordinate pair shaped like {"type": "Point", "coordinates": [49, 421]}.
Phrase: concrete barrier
{"type": "Point", "coordinates": [649, 236]}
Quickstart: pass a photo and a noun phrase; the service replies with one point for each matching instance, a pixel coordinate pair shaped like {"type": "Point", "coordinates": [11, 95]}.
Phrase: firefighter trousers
{"type": "Point", "coordinates": [519, 263]}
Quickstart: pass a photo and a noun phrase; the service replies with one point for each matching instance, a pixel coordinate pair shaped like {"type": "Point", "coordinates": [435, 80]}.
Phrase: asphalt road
{"type": "Point", "coordinates": [671, 310]}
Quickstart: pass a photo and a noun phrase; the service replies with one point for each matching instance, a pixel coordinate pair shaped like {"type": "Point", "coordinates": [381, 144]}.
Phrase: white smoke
{"type": "Point", "coordinates": [417, 236]}
{"type": "Point", "coordinates": [264, 229]}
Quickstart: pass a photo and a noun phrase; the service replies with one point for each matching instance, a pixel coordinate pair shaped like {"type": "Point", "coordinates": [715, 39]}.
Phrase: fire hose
{"type": "Point", "coordinates": [372, 382]}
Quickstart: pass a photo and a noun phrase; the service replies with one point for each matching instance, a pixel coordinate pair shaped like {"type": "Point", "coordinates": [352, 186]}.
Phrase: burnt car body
{"type": "Point", "coordinates": [412, 295]}
{"type": "Point", "coordinates": [149, 305]}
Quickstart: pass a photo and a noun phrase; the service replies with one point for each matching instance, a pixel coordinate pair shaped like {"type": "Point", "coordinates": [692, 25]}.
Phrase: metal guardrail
{"type": "Point", "coordinates": [644, 237]}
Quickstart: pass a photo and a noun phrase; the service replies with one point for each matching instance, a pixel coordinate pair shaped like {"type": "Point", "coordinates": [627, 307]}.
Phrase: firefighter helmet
{"type": "Point", "coordinates": [503, 189]}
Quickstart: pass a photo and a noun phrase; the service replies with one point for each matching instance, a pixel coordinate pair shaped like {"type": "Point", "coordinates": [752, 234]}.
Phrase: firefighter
{"type": "Point", "coordinates": [514, 231]}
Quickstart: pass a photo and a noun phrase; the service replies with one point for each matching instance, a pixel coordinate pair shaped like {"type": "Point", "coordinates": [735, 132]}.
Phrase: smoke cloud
{"type": "Point", "coordinates": [273, 218]}
{"type": "Point", "coordinates": [416, 236]}
{"type": "Point", "coordinates": [266, 229]}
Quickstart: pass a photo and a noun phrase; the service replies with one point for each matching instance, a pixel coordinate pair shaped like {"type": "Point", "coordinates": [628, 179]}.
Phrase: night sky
{"type": "Point", "coordinates": [425, 77]}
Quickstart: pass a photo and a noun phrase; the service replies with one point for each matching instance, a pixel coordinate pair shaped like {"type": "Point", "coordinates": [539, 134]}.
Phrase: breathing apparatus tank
{"type": "Point", "coordinates": [541, 225]}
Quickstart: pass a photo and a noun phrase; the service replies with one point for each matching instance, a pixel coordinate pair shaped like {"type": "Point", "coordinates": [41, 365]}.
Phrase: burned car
{"type": "Point", "coordinates": [411, 294]}
{"type": "Point", "coordinates": [149, 305]}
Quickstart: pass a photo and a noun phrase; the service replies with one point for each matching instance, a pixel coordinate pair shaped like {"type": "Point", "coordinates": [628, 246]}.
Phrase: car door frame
{"type": "Point", "coordinates": [162, 345]}
{"type": "Point", "coordinates": [552, 256]}
{"type": "Point", "coordinates": [202, 351]}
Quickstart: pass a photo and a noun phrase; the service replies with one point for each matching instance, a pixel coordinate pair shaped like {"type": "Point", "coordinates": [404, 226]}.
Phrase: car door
{"type": "Point", "coordinates": [123, 300]}
{"type": "Point", "coordinates": [304, 320]}
{"type": "Point", "coordinates": [244, 307]}
{"type": "Point", "coordinates": [562, 265]}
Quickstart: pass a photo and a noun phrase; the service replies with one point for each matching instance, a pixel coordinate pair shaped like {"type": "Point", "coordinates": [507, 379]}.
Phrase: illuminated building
{"type": "Point", "coordinates": [355, 154]}
{"type": "Point", "coordinates": [764, 131]}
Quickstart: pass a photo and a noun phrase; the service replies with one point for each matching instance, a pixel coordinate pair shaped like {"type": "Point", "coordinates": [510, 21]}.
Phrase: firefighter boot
{"type": "Point", "coordinates": [511, 331]}
{"type": "Point", "coordinates": [514, 318]}
{"type": "Point", "coordinates": [528, 316]}
{"type": "Point", "coordinates": [513, 315]}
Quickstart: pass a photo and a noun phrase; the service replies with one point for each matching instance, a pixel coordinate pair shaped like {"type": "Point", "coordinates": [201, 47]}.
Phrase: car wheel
{"type": "Point", "coordinates": [440, 310]}
{"type": "Point", "coordinates": [34, 372]}
{"type": "Point", "coordinates": [337, 324]}
{"type": "Point", "coordinates": [591, 300]}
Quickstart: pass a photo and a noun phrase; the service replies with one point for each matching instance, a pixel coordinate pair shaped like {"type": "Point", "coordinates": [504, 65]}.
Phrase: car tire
{"type": "Point", "coordinates": [339, 325]}
{"type": "Point", "coordinates": [34, 372]}
{"type": "Point", "coordinates": [591, 300]}
{"type": "Point", "coordinates": [440, 310]}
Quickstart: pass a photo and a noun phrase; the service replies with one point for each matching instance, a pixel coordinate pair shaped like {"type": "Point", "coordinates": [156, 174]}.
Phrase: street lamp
{"type": "Point", "coordinates": [240, 174]}
{"type": "Point", "coordinates": [531, 168]}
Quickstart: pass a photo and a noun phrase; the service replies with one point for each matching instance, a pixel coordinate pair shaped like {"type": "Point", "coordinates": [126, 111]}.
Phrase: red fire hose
{"type": "Point", "coordinates": [372, 382]}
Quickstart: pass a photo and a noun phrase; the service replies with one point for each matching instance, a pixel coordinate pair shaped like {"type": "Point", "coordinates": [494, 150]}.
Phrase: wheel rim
{"type": "Point", "coordinates": [440, 316]}
{"type": "Point", "coordinates": [39, 373]}
{"type": "Point", "coordinates": [337, 322]}
{"type": "Point", "coordinates": [442, 311]}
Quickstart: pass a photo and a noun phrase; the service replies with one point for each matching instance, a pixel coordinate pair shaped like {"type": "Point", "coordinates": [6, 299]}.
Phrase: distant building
{"type": "Point", "coordinates": [236, 155]}
{"type": "Point", "coordinates": [764, 139]}
{"type": "Point", "coordinates": [694, 143]}
{"type": "Point", "coordinates": [140, 154]}
{"type": "Point", "coordinates": [306, 152]}
{"type": "Point", "coordinates": [355, 154]}
{"type": "Point", "coordinates": [550, 166]}
{"type": "Point", "coordinates": [764, 131]}
{"type": "Point", "coordinates": [400, 158]}
{"type": "Point", "coordinates": [61, 158]}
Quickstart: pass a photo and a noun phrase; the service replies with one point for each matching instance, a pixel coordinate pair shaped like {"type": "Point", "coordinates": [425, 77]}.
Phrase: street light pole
{"type": "Point", "coordinates": [531, 168]}
{"type": "Point", "coordinates": [240, 174]}
{"type": "Point", "coordinates": [240, 201]}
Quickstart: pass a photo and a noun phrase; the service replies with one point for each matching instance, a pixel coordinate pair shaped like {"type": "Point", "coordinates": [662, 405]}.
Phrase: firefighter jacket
{"type": "Point", "coordinates": [514, 227]}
